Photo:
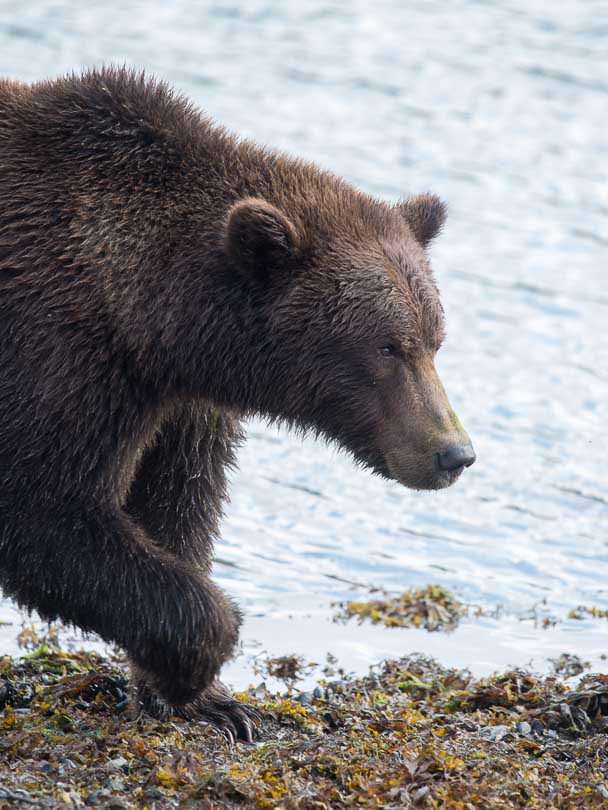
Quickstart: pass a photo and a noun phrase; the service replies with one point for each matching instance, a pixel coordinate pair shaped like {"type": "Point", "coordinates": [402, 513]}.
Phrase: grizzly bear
{"type": "Point", "coordinates": [161, 281]}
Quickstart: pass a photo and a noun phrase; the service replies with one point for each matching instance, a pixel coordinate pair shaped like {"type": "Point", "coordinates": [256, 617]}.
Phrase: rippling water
{"type": "Point", "coordinates": [500, 107]}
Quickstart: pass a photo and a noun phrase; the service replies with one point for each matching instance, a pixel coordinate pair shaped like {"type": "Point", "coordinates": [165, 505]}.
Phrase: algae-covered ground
{"type": "Point", "coordinates": [409, 734]}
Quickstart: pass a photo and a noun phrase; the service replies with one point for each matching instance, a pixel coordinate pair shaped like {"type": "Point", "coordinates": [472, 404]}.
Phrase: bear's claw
{"type": "Point", "coordinates": [215, 706]}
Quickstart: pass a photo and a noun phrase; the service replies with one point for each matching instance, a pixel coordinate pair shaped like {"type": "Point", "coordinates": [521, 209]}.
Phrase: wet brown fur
{"type": "Point", "coordinates": [159, 281]}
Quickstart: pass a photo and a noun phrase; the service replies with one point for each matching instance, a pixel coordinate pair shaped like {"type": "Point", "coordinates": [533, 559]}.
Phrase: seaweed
{"type": "Point", "coordinates": [584, 611]}
{"type": "Point", "coordinates": [409, 734]}
{"type": "Point", "coordinates": [431, 608]}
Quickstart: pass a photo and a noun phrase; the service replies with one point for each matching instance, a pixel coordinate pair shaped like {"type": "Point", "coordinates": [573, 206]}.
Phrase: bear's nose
{"type": "Point", "coordinates": [459, 455]}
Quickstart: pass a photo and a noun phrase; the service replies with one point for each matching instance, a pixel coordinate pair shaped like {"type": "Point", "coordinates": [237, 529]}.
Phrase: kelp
{"type": "Point", "coordinates": [431, 608]}
{"type": "Point", "coordinates": [409, 734]}
{"type": "Point", "coordinates": [588, 612]}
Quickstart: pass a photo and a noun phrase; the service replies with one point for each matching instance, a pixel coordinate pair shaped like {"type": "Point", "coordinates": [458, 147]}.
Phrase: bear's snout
{"type": "Point", "coordinates": [420, 468]}
{"type": "Point", "coordinates": [455, 457]}
{"type": "Point", "coordinates": [423, 444]}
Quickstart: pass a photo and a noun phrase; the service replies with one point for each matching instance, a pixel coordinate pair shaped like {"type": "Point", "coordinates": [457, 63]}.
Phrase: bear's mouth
{"type": "Point", "coordinates": [435, 480]}
{"type": "Point", "coordinates": [411, 470]}
{"type": "Point", "coordinates": [420, 476]}
{"type": "Point", "coordinates": [445, 478]}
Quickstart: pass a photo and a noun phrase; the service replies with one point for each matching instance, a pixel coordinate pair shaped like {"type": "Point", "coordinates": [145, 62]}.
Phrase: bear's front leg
{"type": "Point", "coordinates": [177, 495]}
{"type": "Point", "coordinates": [97, 569]}
{"type": "Point", "coordinates": [214, 705]}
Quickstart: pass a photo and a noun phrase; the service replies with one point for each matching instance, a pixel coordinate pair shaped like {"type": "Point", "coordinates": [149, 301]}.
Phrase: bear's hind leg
{"type": "Point", "coordinates": [177, 496]}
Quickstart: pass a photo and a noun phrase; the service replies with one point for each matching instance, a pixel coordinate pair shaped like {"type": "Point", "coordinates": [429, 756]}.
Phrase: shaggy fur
{"type": "Point", "coordinates": [159, 281]}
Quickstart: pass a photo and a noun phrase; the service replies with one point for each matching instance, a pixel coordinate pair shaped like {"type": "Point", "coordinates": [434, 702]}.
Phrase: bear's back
{"type": "Point", "coordinates": [97, 114]}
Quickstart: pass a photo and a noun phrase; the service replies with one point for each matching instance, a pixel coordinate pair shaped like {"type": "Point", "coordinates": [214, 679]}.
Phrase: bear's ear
{"type": "Point", "coordinates": [426, 215]}
{"type": "Point", "coordinates": [259, 237]}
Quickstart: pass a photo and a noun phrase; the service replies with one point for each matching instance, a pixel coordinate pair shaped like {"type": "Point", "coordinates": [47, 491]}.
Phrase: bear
{"type": "Point", "coordinates": [162, 280]}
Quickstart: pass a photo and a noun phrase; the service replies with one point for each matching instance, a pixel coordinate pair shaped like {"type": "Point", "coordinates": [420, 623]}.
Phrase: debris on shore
{"type": "Point", "coordinates": [409, 734]}
{"type": "Point", "coordinates": [430, 608]}
{"type": "Point", "coordinates": [588, 612]}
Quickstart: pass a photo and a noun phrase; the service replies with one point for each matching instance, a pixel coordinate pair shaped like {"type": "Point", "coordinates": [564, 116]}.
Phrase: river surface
{"type": "Point", "coordinates": [502, 109]}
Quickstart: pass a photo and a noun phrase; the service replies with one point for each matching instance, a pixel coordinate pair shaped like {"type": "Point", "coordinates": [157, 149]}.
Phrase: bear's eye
{"type": "Point", "coordinates": [388, 350]}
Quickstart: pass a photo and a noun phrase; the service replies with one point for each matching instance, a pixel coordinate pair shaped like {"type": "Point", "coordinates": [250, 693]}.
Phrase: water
{"type": "Point", "coordinates": [501, 108]}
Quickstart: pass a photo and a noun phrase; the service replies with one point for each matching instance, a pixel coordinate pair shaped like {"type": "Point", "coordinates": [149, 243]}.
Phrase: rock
{"type": "Point", "coordinates": [68, 795]}
{"type": "Point", "coordinates": [153, 793]}
{"type": "Point", "coordinates": [260, 692]}
{"type": "Point", "coordinates": [602, 791]}
{"type": "Point", "coordinates": [495, 733]}
{"type": "Point", "coordinates": [524, 728]}
{"type": "Point", "coordinates": [118, 764]}
{"type": "Point", "coordinates": [421, 794]}
{"type": "Point", "coordinates": [96, 797]}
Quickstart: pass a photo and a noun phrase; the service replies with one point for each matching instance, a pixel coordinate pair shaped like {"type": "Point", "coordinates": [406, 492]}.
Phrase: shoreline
{"type": "Point", "coordinates": [411, 733]}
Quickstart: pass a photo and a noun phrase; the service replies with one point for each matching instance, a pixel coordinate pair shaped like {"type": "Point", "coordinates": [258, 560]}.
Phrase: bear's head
{"type": "Point", "coordinates": [348, 323]}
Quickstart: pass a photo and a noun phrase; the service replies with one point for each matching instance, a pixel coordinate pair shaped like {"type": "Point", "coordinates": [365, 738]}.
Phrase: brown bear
{"type": "Point", "coordinates": [161, 280]}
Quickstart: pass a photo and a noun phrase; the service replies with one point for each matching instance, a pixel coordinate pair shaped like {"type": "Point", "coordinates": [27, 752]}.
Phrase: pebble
{"type": "Point", "coordinates": [118, 764]}
{"type": "Point", "coordinates": [154, 793]}
{"type": "Point", "coordinates": [97, 797]}
{"type": "Point", "coordinates": [421, 794]}
{"type": "Point", "coordinates": [495, 733]}
{"type": "Point", "coordinates": [68, 794]}
{"type": "Point", "coordinates": [524, 728]}
{"type": "Point", "coordinates": [260, 692]}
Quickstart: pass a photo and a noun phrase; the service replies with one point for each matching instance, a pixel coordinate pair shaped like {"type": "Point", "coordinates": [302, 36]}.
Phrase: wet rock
{"type": "Point", "coordinates": [495, 733]}
{"type": "Point", "coordinates": [69, 795]}
{"type": "Point", "coordinates": [602, 791]}
{"type": "Point", "coordinates": [153, 793]}
{"type": "Point", "coordinates": [260, 692]}
{"type": "Point", "coordinates": [118, 764]}
{"type": "Point", "coordinates": [421, 794]}
{"type": "Point", "coordinates": [97, 797]}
